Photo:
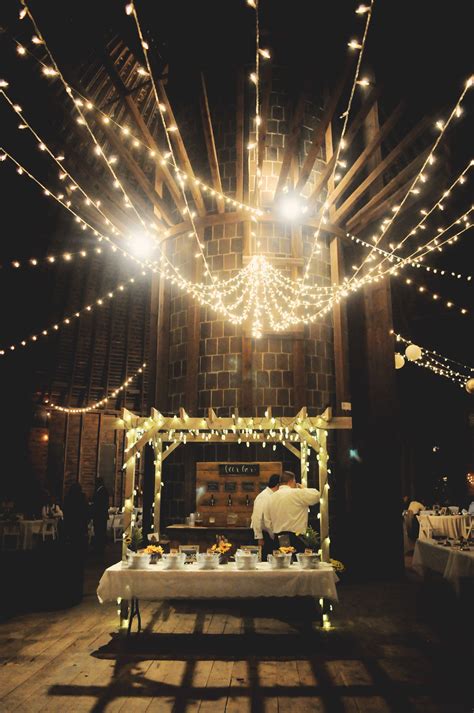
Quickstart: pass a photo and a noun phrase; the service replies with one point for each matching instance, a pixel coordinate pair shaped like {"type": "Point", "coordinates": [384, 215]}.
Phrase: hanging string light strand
{"type": "Point", "coordinates": [102, 402]}
{"type": "Point", "coordinates": [443, 127]}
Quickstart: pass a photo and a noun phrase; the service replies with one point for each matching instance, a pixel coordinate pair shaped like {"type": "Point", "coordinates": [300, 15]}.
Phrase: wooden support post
{"type": "Point", "coordinates": [376, 422]}
{"type": "Point", "coordinates": [130, 439]}
{"type": "Point", "coordinates": [211, 145]}
{"type": "Point", "coordinates": [303, 464]}
{"type": "Point", "coordinates": [322, 457]}
{"type": "Point", "coordinates": [158, 450]}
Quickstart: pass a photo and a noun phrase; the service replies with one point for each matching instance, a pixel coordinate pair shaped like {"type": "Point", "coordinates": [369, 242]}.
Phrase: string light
{"type": "Point", "coordinates": [428, 161]}
{"type": "Point", "coordinates": [139, 143]}
{"type": "Point", "coordinates": [460, 179]}
{"type": "Point", "coordinates": [69, 319]}
{"type": "Point", "coordinates": [58, 160]}
{"type": "Point", "coordinates": [440, 365]}
{"type": "Point", "coordinates": [48, 260]}
{"type": "Point", "coordinates": [341, 144]}
{"type": "Point", "coordinates": [258, 292]}
{"type": "Point", "coordinates": [78, 108]}
{"type": "Point", "coordinates": [170, 146]}
{"type": "Point", "coordinates": [102, 402]}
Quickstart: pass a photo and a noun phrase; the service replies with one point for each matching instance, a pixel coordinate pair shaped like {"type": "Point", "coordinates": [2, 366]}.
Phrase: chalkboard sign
{"type": "Point", "coordinates": [248, 486]}
{"type": "Point", "coordinates": [212, 486]}
{"type": "Point", "coordinates": [230, 487]}
{"type": "Point", "coordinates": [239, 469]}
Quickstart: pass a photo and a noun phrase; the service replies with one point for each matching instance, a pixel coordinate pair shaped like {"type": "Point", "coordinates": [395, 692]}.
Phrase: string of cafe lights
{"type": "Point", "coordinates": [436, 355]}
{"type": "Point", "coordinates": [54, 71]}
{"type": "Point", "coordinates": [420, 177]}
{"type": "Point", "coordinates": [255, 78]}
{"type": "Point", "coordinates": [169, 129]}
{"type": "Point", "coordinates": [438, 205]}
{"type": "Point", "coordinates": [180, 280]}
{"type": "Point", "coordinates": [48, 260]}
{"type": "Point", "coordinates": [54, 327]}
{"type": "Point", "coordinates": [253, 291]}
{"type": "Point", "coordinates": [441, 365]}
{"type": "Point", "coordinates": [58, 159]}
{"type": "Point", "coordinates": [360, 47]}
{"type": "Point", "coordinates": [415, 263]}
{"type": "Point", "coordinates": [254, 282]}
{"type": "Point", "coordinates": [103, 402]}
{"type": "Point", "coordinates": [67, 204]}
{"type": "Point", "coordinates": [136, 142]}
{"type": "Point", "coordinates": [348, 287]}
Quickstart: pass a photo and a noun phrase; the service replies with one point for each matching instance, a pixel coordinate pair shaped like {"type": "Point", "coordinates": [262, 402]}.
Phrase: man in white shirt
{"type": "Point", "coordinates": [286, 512]}
{"type": "Point", "coordinates": [261, 533]}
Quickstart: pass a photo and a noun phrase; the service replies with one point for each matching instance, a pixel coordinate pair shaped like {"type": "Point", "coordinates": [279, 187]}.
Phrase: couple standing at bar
{"type": "Point", "coordinates": [280, 512]}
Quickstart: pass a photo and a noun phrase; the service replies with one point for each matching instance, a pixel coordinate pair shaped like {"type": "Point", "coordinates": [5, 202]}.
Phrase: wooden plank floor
{"type": "Point", "coordinates": [236, 657]}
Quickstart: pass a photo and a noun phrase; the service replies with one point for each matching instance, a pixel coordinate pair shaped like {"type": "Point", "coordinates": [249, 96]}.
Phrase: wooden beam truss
{"type": "Point", "coordinates": [165, 434]}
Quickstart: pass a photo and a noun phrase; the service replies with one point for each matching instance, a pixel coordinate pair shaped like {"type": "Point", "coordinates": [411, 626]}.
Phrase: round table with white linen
{"type": "Point", "coordinates": [454, 526]}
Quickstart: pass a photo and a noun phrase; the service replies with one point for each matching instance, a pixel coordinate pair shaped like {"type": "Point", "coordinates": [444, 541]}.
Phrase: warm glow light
{"type": "Point", "coordinates": [289, 207]}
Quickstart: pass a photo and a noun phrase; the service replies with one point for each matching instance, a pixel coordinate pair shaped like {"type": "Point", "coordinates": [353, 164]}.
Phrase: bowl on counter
{"type": "Point", "coordinates": [307, 560]}
{"type": "Point", "coordinates": [208, 560]}
{"type": "Point", "coordinates": [246, 560]}
{"type": "Point", "coordinates": [174, 560]}
{"type": "Point", "coordinates": [279, 561]}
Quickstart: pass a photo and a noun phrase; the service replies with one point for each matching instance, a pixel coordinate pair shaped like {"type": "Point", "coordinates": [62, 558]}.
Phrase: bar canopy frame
{"type": "Point", "coordinates": [166, 433]}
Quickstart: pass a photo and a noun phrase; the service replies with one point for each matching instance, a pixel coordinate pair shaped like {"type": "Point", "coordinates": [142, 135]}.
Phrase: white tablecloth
{"type": "Point", "coordinates": [28, 528]}
{"type": "Point", "coordinates": [449, 525]}
{"type": "Point", "coordinates": [224, 583]}
{"type": "Point", "coordinates": [452, 563]}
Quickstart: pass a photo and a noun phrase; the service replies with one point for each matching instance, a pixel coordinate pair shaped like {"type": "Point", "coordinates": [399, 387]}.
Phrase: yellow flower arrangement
{"type": "Point", "coordinates": [338, 566]}
{"type": "Point", "coordinates": [286, 550]}
{"type": "Point", "coordinates": [222, 547]}
{"type": "Point", "coordinates": [153, 550]}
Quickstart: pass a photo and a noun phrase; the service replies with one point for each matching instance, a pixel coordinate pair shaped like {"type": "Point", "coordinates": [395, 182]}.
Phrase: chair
{"type": "Point", "coordinates": [426, 530]}
{"type": "Point", "coordinates": [117, 527]}
{"type": "Point", "coordinates": [11, 536]}
{"type": "Point", "coordinates": [49, 529]}
{"type": "Point", "coordinates": [468, 529]}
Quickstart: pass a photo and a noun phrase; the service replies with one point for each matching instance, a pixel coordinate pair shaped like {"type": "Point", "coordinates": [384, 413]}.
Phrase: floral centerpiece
{"type": "Point", "coordinates": [155, 552]}
{"type": "Point", "coordinates": [311, 538]}
{"type": "Point", "coordinates": [135, 539]}
{"type": "Point", "coordinates": [338, 566]}
{"type": "Point", "coordinates": [286, 550]}
{"type": "Point", "coordinates": [222, 547]}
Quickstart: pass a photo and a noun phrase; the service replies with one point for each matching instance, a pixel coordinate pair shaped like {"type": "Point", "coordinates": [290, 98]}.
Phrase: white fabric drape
{"type": "Point", "coordinates": [224, 583]}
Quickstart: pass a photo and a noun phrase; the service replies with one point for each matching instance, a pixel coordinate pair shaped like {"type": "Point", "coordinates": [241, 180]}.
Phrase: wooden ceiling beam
{"type": "Point", "coordinates": [361, 160]}
{"type": "Point", "coordinates": [141, 178]}
{"type": "Point", "coordinates": [350, 135]}
{"type": "Point", "coordinates": [320, 129]}
{"type": "Point", "coordinates": [291, 141]}
{"type": "Point", "coordinates": [162, 170]}
{"type": "Point", "coordinates": [183, 157]}
{"type": "Point", "coordinates": [381, 210]}
{"type": "Point", "coordinates": [211, 145]}
{"type": "Point", "coordinates": [379, 170]}
{"type": "Point", "coordinates": [243, 217]}
{"type": "Point", "coordinates": [266, 83]}
{"type": "Point", "coordinates": [387, 192]}
{"type": "Point", "coordinates": [240, 138]}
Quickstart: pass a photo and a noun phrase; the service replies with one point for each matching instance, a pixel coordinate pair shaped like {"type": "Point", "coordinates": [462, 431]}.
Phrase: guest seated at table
{"type": "Point", "coordinates": [50, 509]}
{"type": "Point", "coordinates": [261, 534]}
{"type": "Point", "coordinates": [286, 511]}
{"type": "Point", "coordinates": [415, 506]}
